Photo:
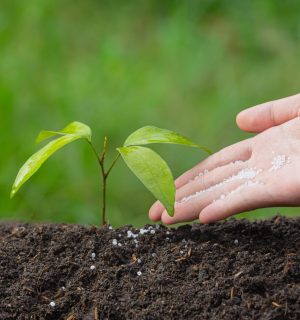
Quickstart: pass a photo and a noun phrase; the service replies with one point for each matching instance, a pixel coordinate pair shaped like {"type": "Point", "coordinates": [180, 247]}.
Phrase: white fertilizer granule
{"type": "Point", "coordinates": [201, 174]}
{"type": "Point", "coordinates": [52, 304]}
{"type": "Point", "coordinates": [115, 242]}
{"type": "Point", "coordinates": [143, 231]}
{"type": "Point", "coordinates": [139, 273]}
{"type": "Point", "coordinates": [130, 234]}
{"type": "Point", "coordinates": [278, 162]}
{"type": "Point", "coordinates": [92, 267]}
{"type": "Point", "coordinates": [93, 255]}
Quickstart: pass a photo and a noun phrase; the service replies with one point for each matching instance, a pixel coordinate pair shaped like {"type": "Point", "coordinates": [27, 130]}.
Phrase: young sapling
{"type": "Point", "coordinates": [146, 164]}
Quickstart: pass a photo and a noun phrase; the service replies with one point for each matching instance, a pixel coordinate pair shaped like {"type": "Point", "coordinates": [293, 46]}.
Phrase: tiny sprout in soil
{"type": "Point", "coordinates": [146, 164]}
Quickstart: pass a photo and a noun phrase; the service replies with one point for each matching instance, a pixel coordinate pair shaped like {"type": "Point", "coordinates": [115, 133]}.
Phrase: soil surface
{"type": "Point", "coordinates": [229, 270]}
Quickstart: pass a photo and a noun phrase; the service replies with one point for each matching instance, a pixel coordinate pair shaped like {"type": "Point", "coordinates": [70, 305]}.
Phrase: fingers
{"type": "Point", "coordinates": [240, 151]}
{"type": "Point", "coordinates": [189, 209]}
{"type": "Point", "coordinates": [244, 198]}
{"type": "Point", "coordinates": [233, 157]}
{"type": "Point", "coordinates": [269, 114]}
{"type": "Point", "coordinates": [195, 196]}
{"type": "Point", "coordinates": [211, 180]}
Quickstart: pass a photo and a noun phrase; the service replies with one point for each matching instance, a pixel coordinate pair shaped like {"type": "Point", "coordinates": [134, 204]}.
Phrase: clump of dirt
{"type": "Point", "coordinates": [228, 270]}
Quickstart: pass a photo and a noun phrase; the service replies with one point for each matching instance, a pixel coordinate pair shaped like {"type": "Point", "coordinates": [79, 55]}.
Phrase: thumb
{"type": "Point", "coordinates": [269, 114]}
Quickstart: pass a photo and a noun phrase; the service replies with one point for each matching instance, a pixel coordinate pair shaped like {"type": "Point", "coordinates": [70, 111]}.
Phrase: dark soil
{"type": "Point", "coordinates": [230, 270]}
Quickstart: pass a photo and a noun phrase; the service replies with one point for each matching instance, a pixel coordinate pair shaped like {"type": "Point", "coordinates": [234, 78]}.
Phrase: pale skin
{"type": "Point", "coordinates": [277, 124]}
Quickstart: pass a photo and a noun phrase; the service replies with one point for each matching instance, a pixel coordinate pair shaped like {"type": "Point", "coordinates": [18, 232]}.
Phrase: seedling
{"type": "Point", "coordinates": [146, 164]}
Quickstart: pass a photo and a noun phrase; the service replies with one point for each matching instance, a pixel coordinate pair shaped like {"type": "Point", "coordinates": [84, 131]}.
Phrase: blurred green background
{"type": "Point", "coordinates": [189, 66]}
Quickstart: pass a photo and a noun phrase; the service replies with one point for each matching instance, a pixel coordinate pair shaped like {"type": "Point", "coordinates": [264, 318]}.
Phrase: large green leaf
{"type": "Point", "coordinates": [74, 131]}
{"type": "Point", "coordinates": [75, 127]}
{"type": "Point", "coordinates": [153, 172]}
{"type": "Point", "coordinates": [150, 134]}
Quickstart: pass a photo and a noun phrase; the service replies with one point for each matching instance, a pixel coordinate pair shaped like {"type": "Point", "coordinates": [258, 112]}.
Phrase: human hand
{"type": "Point", "coordinates": [262, 171]}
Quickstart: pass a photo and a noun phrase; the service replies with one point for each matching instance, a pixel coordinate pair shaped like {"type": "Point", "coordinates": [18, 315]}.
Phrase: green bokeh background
{"type": "Point", "coordinates": [189, 66]}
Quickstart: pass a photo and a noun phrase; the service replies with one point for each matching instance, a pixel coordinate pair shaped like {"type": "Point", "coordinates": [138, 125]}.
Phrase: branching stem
{"type": "Point", "coordinates": [104, 174]}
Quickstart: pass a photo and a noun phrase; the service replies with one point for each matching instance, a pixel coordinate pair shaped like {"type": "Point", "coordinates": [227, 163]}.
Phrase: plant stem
{"type": "Point", "coordinates": [104, 200]}
{"type": "Point", "coordinates": [104, 174]}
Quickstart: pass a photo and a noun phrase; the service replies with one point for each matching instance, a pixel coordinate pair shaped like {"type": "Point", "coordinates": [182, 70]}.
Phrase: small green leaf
{"type": "Point", "coordinates": [150, 134]}
{"type": "Point", "coordinates": [75, 127]}
{"type": "Point", "coordinates": [72, 132]}
{"type": "Point", "coordinates": [153, 172]}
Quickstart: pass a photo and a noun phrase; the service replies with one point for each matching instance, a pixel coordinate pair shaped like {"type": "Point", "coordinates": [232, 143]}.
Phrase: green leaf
{"type": "Point", "coordinates": [75, 127]}
{"type": "Point", "coordinates": [153, 172]}
{"type": "Point", "coordinates": [72, 132]}
{"type": "Point", "coordinates": [150, 134]}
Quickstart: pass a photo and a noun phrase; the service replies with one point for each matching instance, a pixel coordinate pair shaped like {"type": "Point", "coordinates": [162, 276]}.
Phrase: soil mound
{"type": "Point", "coordinates": [228, 270]}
